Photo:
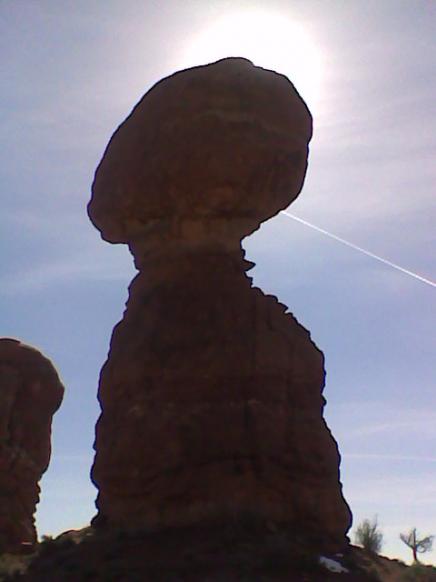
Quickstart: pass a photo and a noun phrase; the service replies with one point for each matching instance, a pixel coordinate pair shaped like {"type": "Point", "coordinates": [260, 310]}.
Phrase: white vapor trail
{"type": "Point", "coordinates": [365, 252]}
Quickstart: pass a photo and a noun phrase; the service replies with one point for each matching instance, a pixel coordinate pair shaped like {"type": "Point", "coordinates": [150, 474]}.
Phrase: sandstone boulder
{"type": "Point", "coordinates": [30, 393]}
{"type": "Point", "coordinates": [211, 397]}
{"type": "Point", "coordinates": [204, 157]}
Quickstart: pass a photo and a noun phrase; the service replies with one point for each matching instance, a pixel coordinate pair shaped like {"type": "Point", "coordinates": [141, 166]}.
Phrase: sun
{"type": "Point", "coordinates": [270, 40]}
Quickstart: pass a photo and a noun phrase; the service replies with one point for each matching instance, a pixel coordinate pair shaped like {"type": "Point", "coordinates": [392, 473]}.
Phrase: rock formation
{"type": "Point", "coordinates": [30, 393]}
{"type": "Point", "coordinates": [211, 397]}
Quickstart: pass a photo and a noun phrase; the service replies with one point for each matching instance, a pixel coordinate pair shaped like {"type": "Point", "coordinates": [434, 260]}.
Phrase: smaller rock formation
{"type": "Point", "coordinates": [30, 393]}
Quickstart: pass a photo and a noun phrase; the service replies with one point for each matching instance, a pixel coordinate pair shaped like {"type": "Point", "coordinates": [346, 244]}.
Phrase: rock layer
{"type": "Point", "coordinates": [212, 393]}
{"type": "Point", "coordinates": [30, 393]}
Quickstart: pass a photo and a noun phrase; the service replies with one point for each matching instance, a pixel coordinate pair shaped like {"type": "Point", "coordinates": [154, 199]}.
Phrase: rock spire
{"type": "Point", "coordinates": [30, 393]}
{"type": "Point", "coordinates": [211, 397]}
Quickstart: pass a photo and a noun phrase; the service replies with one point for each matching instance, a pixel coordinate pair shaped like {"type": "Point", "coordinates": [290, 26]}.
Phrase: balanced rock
{"type": "Point", "coordinates": [211, 397]}
{"type": "Point", "coordinates": [30, 393]}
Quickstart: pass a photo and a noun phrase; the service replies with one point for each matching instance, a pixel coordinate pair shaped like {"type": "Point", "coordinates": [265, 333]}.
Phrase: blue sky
{"type": "Point", "coordinates": [71, 73]}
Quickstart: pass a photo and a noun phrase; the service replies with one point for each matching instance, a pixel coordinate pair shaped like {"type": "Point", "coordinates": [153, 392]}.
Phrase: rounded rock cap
{"type": "Point", "coordinates": [214, 144]}
{"type": "Point", "coordinates": [36, 372]}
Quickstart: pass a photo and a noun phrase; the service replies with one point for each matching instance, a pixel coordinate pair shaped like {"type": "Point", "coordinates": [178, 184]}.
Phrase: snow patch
{"type": "Point", "coordinates": [332, 565]}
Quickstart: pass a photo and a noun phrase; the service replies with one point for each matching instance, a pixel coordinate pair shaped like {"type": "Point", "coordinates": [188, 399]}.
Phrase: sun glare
{"type": "Point", "coordinates": [269, 40]}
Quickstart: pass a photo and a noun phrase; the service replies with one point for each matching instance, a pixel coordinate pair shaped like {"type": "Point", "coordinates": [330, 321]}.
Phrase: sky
{"type": "Point", "coordinates": [72, 71]}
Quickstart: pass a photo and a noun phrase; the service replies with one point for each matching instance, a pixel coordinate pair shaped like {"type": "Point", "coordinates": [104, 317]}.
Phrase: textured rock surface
{"type": "Point", "coordinates": [30, 393]}
{"type": "Point", "coordinates": [212, 394]}
{"type": "Point", "coordinates": [204, 157]}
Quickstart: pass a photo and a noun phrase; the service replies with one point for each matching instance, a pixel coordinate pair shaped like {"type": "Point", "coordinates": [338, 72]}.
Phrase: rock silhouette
{"type": "Point", "coordinates": [30, 393]}
{"type": "Point", "coordinates": [211, 397]}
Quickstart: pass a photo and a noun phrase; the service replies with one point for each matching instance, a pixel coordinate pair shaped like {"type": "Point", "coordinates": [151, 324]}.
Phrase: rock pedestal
{"type": "Point", "coordinates": [30, 393]}
{"type": "Point", "coordinates": [211, 395]}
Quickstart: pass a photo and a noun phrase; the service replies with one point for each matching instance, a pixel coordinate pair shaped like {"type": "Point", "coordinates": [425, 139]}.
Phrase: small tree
{"type": "Point", "coordinates": [369, 536]}
{"type": "Point", "coordinates": [417, 545]}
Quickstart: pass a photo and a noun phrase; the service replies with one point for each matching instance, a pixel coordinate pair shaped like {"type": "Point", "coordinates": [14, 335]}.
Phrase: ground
{"type": "Point", "coordinates": [218, 555]}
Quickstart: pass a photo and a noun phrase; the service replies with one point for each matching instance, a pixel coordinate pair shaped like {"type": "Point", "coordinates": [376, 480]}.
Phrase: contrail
{"type": "Point", "coordinates": [353, 246]}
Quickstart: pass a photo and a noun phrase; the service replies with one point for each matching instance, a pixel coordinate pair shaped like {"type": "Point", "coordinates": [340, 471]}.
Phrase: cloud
{"type": "Point", "coordinates": [89, 267]}
{"type": "Point", "coordinates": [382, 489]}
{"type": "Point", "coordinates": [56, 246]}
{"type": "Point", "coordinates": [363, 420]}
{"type": "Point", "coordinates": [421, 425]}
{"type": "Point", "coordinates": [382, 457]}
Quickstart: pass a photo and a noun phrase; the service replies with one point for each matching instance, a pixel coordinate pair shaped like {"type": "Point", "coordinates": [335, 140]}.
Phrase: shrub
{"type": "Point", "coordinates": [417, 544]}
{"type": "Point", "coordinates": [369, 536]}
